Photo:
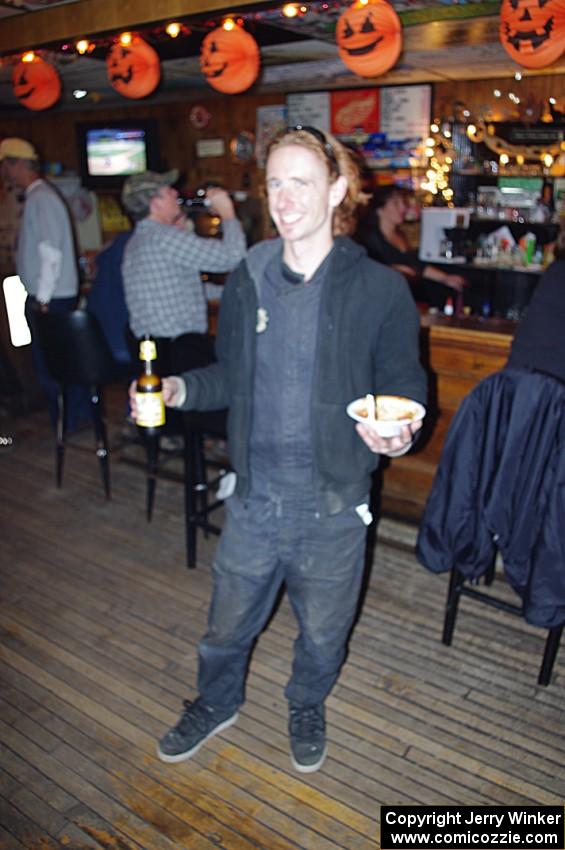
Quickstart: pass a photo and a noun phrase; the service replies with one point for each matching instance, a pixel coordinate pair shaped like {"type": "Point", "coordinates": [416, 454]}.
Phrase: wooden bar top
{"type": "Point", "coordinates": [463, 325]}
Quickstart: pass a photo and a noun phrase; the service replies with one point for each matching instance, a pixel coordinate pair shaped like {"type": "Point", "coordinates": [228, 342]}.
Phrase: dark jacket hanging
{"type": "Point", "coordinates": [500, 484]}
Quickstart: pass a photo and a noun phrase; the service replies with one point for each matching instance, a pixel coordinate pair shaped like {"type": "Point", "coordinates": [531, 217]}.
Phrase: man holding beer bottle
{"type": "Point", "coordinates": [307, 324]}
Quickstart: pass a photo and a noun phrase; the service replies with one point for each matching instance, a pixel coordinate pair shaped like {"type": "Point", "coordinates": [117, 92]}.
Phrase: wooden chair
{"type": "Point", "coordinates": [76, 352]}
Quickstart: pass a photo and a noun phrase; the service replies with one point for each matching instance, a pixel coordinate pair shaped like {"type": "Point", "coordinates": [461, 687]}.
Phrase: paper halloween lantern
{"type": "Point", "coordinates": [36, 84]}
{"type": "Point", "coordinates": [369, 38]}
{"type": "Point", "coordinates": [133, 69]}
{"type": "Point", "coordinates": [533, 31]}
{"type": "Point", "coordinates": [229, 59]}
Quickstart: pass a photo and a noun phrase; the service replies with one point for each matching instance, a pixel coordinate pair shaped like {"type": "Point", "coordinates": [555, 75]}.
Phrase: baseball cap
{"type": "Point", "coordinates": [17, 149]}
{"type": "Point", "coordinates": [140, 188]}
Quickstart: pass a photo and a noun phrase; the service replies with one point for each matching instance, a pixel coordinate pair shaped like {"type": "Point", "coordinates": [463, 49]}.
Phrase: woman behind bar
{"type": "Point", "coordinates": [386, 242]}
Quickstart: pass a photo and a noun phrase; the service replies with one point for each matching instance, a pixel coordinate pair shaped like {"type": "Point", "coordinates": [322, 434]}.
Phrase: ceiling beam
{"type": "Point", "coordinates": [92, 17]}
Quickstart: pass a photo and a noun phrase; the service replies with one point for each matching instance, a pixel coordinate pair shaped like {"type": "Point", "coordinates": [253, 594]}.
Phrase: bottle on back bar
{"type": "Point", "coordinates": [149, 392]}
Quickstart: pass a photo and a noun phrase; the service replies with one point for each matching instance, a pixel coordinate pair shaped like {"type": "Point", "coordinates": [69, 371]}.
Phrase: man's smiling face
{"type": "Point", "coordinates": [299, 194]}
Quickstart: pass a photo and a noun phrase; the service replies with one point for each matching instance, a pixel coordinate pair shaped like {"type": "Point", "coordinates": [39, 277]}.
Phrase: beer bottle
{"type": "Point", "coordinates": [149, 393]}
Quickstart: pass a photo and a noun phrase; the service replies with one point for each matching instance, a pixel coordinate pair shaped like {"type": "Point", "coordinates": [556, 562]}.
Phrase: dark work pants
{"type": "Point", "coordinates": [277, 536]}
{"type": "Point", "coordinates": [77, 397]}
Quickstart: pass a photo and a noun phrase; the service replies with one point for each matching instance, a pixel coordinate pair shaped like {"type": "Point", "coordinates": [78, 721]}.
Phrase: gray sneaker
{"type": "Point", "coordinates": [307, 729]}
{"type": "Point", "coordinates": [197, 724]}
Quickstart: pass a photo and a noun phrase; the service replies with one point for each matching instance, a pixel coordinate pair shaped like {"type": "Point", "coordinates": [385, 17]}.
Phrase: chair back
{"type": "Point", "coordinates": [76, 350]}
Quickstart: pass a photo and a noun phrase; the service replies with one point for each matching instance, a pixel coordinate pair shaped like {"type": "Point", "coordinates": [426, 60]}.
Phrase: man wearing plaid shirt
{"type": "Point", "coordinates": [162, 263]}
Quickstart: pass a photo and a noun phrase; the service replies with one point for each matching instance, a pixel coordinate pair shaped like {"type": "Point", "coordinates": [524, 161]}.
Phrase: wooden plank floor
{"type": "Point", "coordinates": [99, 622]}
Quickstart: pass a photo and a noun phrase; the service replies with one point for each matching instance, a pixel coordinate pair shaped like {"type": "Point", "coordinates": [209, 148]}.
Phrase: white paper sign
{"type": "Point", "coordinates": [405, 111]}
{"type": "Point", "coordinates": [311, 109]}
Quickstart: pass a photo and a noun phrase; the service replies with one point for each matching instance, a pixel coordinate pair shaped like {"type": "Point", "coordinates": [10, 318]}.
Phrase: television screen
{"type": "Point", "coordinates": [111, 151]}
{"type": "Point", "coordinates": [114, 151]}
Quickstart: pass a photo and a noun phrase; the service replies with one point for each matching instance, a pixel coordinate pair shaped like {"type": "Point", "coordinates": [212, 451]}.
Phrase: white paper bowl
{"type": "Point", "coordinates": [394, 412]}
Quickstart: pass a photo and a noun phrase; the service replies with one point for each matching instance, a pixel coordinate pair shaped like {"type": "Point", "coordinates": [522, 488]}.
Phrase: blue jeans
{"type": "Point", "coordinates": [274, 537]}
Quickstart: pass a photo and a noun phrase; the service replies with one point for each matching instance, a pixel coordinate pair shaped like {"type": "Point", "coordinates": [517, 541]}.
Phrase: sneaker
{"type": "Point", "coordinates": [198, 723]}
{"type": "Point", "coordinates": [307, 729]}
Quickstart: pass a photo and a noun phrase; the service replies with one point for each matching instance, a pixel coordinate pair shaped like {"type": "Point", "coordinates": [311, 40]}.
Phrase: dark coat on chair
{"type": "Point", "coordinates": [500, 484]}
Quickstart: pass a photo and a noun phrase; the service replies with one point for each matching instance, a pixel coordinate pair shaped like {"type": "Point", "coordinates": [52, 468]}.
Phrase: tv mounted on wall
{"type": "Point", "coordinates": [109, 151]}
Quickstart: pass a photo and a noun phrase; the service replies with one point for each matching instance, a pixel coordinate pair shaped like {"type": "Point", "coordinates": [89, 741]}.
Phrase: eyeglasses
{"type": "Point", "coordinates": [321, 138]}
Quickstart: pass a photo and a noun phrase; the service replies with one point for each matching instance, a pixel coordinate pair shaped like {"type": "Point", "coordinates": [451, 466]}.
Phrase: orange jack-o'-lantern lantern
{"type": "Point", "coordinates": [533, 31]}
{"type": "Point", "coordinates": [229, 59]}
{"type": "Point", "coordinates": [133, 69]}
{"type": "Point", "coordinates": [369, 37]}
{"type": "Point", "coordinates": [36, 84]}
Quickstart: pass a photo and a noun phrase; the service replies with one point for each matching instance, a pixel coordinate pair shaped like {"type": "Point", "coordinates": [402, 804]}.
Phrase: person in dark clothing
{"type": "Point", "coordinates": [106, 299]}
{"type": "Point", "coordinates": [385, 241]}
{"type": "Point", "coordinates": [307, 323]}
{"type": "Point", "coordinates": [539, 342]}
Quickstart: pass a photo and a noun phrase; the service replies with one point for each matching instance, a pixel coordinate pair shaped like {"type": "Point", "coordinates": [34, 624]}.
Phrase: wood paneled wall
{"type": "Point", "coordinates": [53, 132]}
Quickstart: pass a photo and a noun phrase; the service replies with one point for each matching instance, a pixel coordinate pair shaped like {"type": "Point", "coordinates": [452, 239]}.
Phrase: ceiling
{"type": "Point", "coordinates": [443, 40]}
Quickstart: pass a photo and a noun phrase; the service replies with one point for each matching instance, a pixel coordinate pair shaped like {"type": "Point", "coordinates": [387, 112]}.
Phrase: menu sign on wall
{"type": "Point", "coordinates": [388, 125]}
{"type": "Point", "coordinates": [405, 111]}
{"type": "Point", "coordinates": [311, 109]}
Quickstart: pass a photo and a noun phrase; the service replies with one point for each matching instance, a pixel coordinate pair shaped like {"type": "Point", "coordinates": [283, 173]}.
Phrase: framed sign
{"type": "Point", "coordinates": [210, 147]}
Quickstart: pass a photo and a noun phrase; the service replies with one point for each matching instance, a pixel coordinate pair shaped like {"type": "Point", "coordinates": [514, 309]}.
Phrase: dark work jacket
{"type": "Point", "coordinates": [367, 342]}
{"type": "Point", "coordinates": [500, 484]}
{"type": "Point", "coordinates": [539, 342]}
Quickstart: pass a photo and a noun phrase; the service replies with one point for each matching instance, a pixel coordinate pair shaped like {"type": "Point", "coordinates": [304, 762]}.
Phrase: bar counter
{"type": "Point", "coordinates": [457, 354]}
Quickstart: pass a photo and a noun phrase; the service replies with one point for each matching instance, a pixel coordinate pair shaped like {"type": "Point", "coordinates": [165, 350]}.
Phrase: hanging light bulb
{"type": "Point", "coordinates": [29, 56]}
{"type": "Point", "coordinates": [289, 10]}
{"type": "Point", "coordinates": [229, 24]}
{"type": "Point", "coordinates": [504, 159]}
{"type": "Point", "coordinates": [173, 29]}
{"type": "Point", "coordinates": [547, 160]}
{"type": "Point", "coordinates": [126, 39]}
{"type": "Point", "coordinates": [82, 46]}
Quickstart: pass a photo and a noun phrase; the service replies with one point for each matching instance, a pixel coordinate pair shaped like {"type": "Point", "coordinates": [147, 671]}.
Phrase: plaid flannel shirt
{"type": "Point", "coordinates": [161, 270]}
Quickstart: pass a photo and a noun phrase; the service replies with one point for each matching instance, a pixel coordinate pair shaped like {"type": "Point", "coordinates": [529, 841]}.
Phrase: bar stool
{"type": "Point", "coordinates": [174, 356]}
{"type": "Point", "coordinates": [76, 352]}
{"type": "Point", "coordinates": [198, 487]}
